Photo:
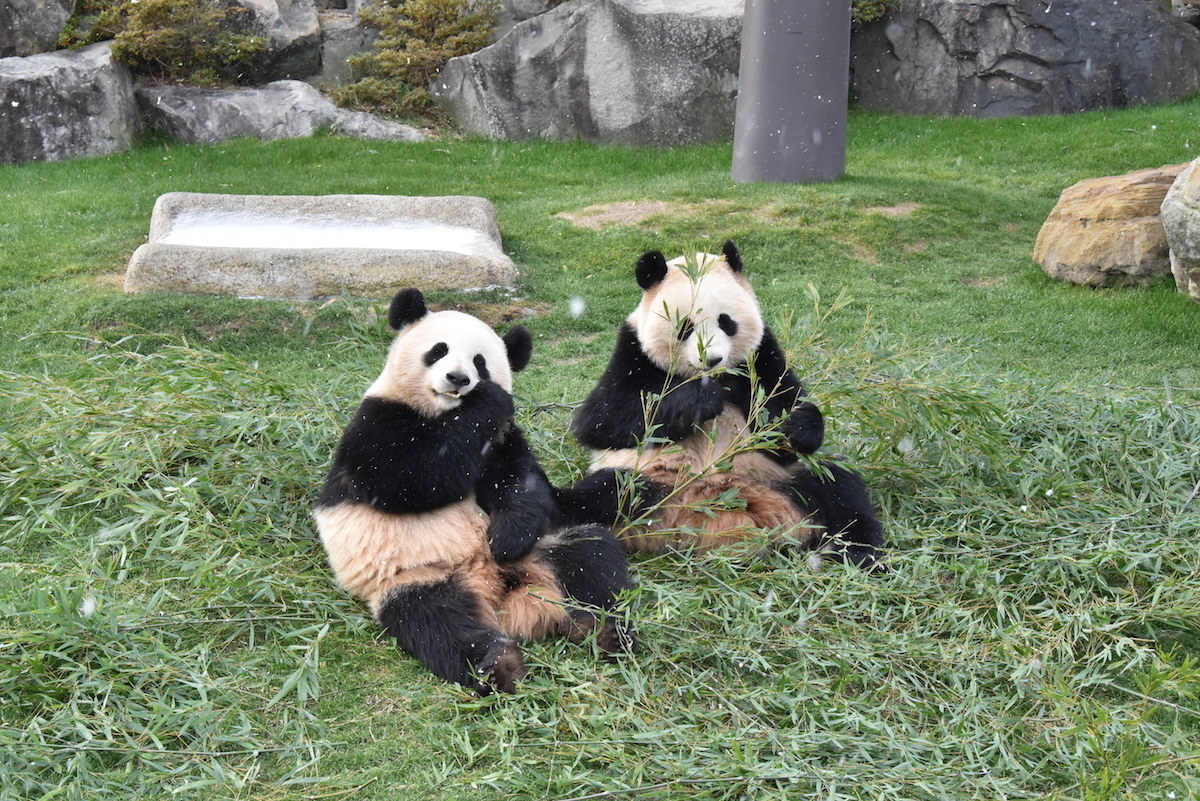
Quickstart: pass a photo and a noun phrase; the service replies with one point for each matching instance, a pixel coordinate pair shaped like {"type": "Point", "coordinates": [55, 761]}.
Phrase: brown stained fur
{"type": "Point", "coordinates": [372, 554]}
{"type": "Point", "coordinates": [696, 472]}
{"type": "Point", "coordinates": [525, 596]}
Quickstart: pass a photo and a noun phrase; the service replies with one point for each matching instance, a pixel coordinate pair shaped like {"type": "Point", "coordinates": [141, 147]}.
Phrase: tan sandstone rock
{"type": "Point", "coordinates": [1107, 231]}
{"type": "Point", "coordinates": [1181, 221]}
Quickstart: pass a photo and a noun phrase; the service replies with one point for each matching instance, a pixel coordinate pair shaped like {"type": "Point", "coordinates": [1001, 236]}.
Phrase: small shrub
{"type": "Point", "coordinates": [190, 40]}
{"type": "Point", "coordinates": [417, 38]}
{"type": "Point", "coordinates": [866, 10]}
{"type": "Point", "coordinates": [91, 21]}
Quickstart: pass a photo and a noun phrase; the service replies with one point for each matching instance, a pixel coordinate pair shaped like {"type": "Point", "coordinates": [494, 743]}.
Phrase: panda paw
{"type": "Point", "coordinates": [500, 668]}
{"type": "Point", "coordinates": [805, 427]}
{"type": "Point", "coordinates": [490, 396]}
{"type": "Point", "coordinates": [703, 398]}
{"type": "Point", "coordinates": [511, 537]}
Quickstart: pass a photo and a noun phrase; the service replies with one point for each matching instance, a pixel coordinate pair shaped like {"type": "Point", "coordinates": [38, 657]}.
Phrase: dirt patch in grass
{"type": "Point", "coordinates": [982, 281]}
{"type": "Point", "coordinates": [112, 282]}
{"type": "Point", "coordinates": [637, 212]}
{"type": "Point", "coordinates": [502, 312]}
{"type": "Point", "coordinates": [607, 215]}
{"type": "Point", "coordinates": [898, 210]}
{"type": "Point", "coordinates": [237, 326]}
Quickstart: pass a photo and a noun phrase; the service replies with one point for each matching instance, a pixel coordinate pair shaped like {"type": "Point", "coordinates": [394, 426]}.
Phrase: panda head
{"type": "Point", "coordinates": [438, 358]}
{"type": "Point", "coordinates": [696, 315]}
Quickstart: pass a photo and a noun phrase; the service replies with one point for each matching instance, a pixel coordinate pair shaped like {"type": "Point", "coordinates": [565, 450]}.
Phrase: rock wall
{"type": "Point", "coordinates": [1002, 58]}
{"type": "Point", "coordinates": [635, 72]}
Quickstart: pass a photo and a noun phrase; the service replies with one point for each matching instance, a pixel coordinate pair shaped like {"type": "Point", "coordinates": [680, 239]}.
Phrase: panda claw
{"type": "Point", "coordinates": [501, 667]}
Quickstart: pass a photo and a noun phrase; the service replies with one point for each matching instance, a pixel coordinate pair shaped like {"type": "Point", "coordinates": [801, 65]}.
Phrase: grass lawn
{"type": "Point", "coordinates": [168, 628]}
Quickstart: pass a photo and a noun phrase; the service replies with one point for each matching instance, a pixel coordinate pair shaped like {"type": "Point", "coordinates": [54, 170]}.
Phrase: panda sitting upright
{"type": "Point", "coordinates": [695, 380]}
{"type": "Point", "coordinates": [436, 512]}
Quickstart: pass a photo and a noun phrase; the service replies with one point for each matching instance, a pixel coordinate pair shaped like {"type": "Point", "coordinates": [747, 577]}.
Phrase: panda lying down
{"type": "Point", "coordinates": [437, 514]}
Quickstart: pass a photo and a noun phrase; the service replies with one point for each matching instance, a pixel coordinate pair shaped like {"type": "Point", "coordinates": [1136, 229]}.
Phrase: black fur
{"type": "Point", "coordinates": [439, 625]}
{"type": "Point", "coordinates": [515, 492]}
{"type": "Point", "coordinates": [732, 257]}
{"type": "Point", "coordinates": [590, 563]}
{"type": "Point", "coordinates": [607, 497]}
{"type": "Point", "coordinates": [519, 344]}
{"type": "Point", "coordinates": [651, 268]}
{"type": "Point", "coordinates": [591, 568]}
{"type": "Point", "coordinates": [407, 307]}
{"type": "Point", "coordinates": [398, 461]}
{"type": "Point", "coordinates": [841, 503]}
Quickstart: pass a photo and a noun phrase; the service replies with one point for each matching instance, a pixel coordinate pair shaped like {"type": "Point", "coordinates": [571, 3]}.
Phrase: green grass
{"type": "Point", "coordinates": [168, 628]}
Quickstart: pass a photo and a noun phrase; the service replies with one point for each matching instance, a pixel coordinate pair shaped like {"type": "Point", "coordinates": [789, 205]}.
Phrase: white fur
{"type": "Point", "coordinates": [698, 294]}
{"type": "Point", "coordinates": [428, 388]}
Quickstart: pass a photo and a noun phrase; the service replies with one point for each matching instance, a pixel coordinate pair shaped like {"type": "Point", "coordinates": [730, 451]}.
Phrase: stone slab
{"type": "Point", "coordinates": [304, 246]}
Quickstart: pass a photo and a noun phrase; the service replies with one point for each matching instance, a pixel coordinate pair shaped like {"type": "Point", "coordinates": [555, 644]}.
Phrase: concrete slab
{"type": "Point", "coordinates": [303, 246]}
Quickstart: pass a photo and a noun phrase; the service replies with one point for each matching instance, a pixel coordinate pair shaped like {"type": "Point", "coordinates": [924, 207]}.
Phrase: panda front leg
{"type": "Point", "coordinates": [440, 624]}
{"type": "Point", "coordinates": [591, 569]}
{"type": "Point", "coordinates": [609, 497]}
{"type": "Point", "coordinates": [840, 503]}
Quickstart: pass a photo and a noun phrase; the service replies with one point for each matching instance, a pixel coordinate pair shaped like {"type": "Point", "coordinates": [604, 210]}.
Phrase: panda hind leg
{"type": "Point", "coordinates": [592, 570]}
{"type": "Point", "coordinates": [439, 625]}
{"type": "Point", "coordinates": [840, 503]}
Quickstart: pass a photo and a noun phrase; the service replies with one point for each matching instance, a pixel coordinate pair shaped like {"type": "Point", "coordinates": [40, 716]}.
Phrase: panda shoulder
{"type": "Point", "coordinates": [629, 362]}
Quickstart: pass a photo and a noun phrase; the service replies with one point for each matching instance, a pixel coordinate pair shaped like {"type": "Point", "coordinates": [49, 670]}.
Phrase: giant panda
{"type": "Point", "coordinates": [698, 404]}
{"type": "Point", "coordinates": [437, 514]}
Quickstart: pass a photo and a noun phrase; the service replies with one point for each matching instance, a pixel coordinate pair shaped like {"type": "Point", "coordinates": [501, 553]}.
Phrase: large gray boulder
{"type": "Point", "coordinates": [60, 105]}
{"type": "Point", "coordinates": [1181, 221]}
{"type": "Point", "coordinates": [302, 246]}
{"type": "Point", "coordinates": [293, 33]}
{"type": "Point", "coordinates": [31, 26]}
{"type": "Point", "coordinates": [637, 72]}
{"type": "Point", "coordinates": [1003, 58]}
{"type": "Point", "coordinates": [279, 110]}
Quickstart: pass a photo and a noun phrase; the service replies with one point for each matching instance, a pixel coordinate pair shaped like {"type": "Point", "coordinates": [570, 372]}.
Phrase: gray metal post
{"type": "Point", "coordinates": [790, 124]}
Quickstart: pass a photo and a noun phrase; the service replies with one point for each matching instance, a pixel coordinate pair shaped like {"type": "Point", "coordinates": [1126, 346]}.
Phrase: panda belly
{"type": "Point", "coordinates": [373, 555]}
{"type": "Point", "coordinates": [718, 490]}
{"type": "Point", "coordinates": [372, 552]}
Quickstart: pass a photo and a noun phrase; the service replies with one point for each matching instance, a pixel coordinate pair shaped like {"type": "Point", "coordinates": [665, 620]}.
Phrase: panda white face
{"type": "Point", "coordinates": [438, 360]}
{"type": "Point", "coordinates": [701, 317]}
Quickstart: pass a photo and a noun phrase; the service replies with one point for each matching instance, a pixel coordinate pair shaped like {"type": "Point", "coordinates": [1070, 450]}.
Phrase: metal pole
{"type": "Point", "coordinates": [793, 84]}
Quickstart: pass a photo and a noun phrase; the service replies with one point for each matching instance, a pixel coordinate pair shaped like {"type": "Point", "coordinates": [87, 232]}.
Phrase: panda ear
{"type": "Point", "coordinates": [519, 344]}
{"type": "Point", "coordinates": [732, 257]}
{"type": "Point", "coordinates": [651, 268]}
{"type": "Point", "coordinates": [407, 307]}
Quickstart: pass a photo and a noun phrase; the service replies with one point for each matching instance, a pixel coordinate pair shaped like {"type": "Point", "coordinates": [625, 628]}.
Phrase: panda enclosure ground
{"type": "Point", "coordinates": [168, 628]}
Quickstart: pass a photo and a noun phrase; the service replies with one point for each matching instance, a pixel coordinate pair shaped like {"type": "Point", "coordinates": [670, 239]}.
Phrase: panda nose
{"type": "Point", "coordinates": [715, 361]}
{"type": "Point", "coordinates": [458, 379]}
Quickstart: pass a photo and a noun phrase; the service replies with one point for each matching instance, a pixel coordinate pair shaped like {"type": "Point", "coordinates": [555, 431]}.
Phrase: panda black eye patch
{"type": "Point", "coordinates": [481, 366]}
{"type": "Point", "coordinates": [685, 329]}
{"type": "Point", "coordinates": [436, 352]}
{"type": "Point", "coordinates": [726, 324]}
